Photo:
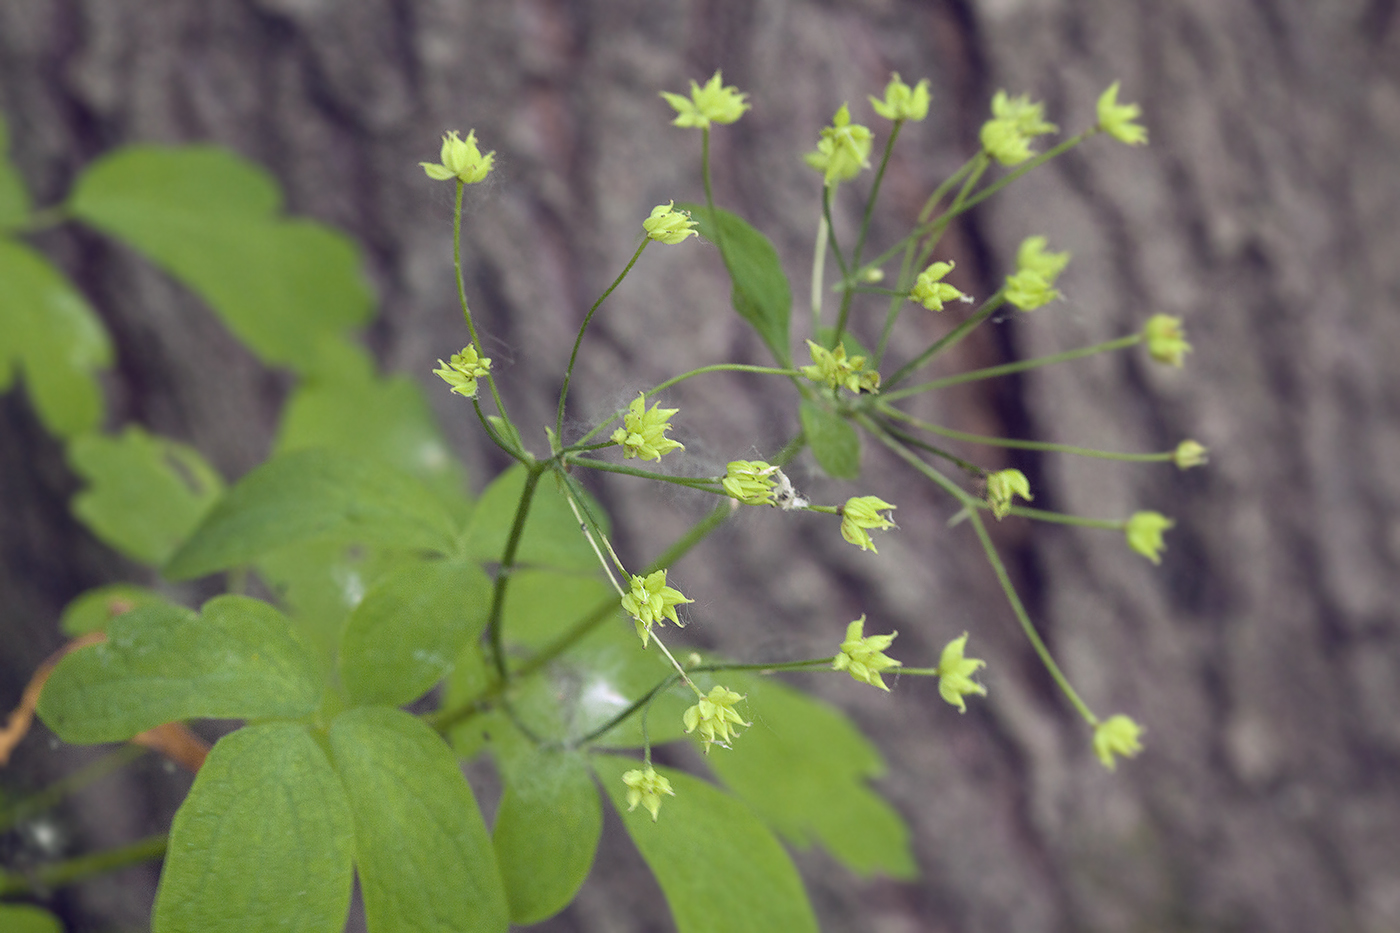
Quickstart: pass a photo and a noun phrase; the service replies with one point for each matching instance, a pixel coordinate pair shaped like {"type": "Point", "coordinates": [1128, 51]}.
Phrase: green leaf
{"type": "Point", "coordinates": [318, 583]}
{"type": "Point", "coordinates": [552, 537]}
{"type": "Point", "coordinates": [599, 676]}
{"type": "Point", "coordinates": [761, 293]}
{"type": "Point", "coordinates": [546, 832]}
{"type": "Point", "coordinates": [422, 852]}
{"type": "Point", "coordinates": [14, 198]}
{"type": "Point", "coordinates": [211, 219]}
{"type": "Point", "coordinates": [834, 442]}
{"type": "Point", "coordinates": [406, 634]}
{"type": "Point", "coordinates": [145, 494]}
{"type": "Point", "coordinates": [161, 663]}
{"type": "Point", "coordinates": [804, 768]}
{"type": "Point", "coordinates": [93, 610]}
{"type": "Point", "coordinates": [262, 842]}
{"type": "Point", "coordinates": [346, 407]}
{"type": "Point", "coordinates": [48, 331]}
{"type": "Point", "coordinates": [719, 867]}
{"type": "Point", "coordinates": [17, 918]}
{"type": "Point", "coordinates": [314, 495]}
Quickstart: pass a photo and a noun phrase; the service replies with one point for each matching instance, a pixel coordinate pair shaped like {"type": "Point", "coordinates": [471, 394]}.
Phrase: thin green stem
{"type": "Point", "coordinates": [705, 484]}
{"type": "Point", "coordinates": [503, 572]}
{"type": "Point", "coordinates": [573, 355]}
{"type": "Point", "coordinates": [989, 441]}
{"type": "Point", "coordinates": [947, 341]}
{"type": "Point", "coordinates": [60, 874]}
{"type": "Point", "coordinates": [1024, 618]}
{"type": "Point", "coordinates": [992, 372]}
{"type": "Point", "coordinates": [462, 298]}
{"type": "Point", "coordinates": [818, 273]}
{"type": "Point", "coordinates": [942, 190]}
{"type": "Point", "coordinates": [1003, 578]}
{"type": "Point", "coordinates": [848, 289]}
{"type": "Point", "coordinates": [1061, 518]}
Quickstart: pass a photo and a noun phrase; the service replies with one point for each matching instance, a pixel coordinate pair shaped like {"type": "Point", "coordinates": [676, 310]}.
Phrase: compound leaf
{"type": "Point", "coordinates": [48, 332]}
{"type": "Point", "coordinates": [311, 495]}
{"type": "Point", "coordinates": [145, 494]}
{"type": "Point", "coordinates": [805, 768]}
{"type": "Point", "coordinates": [407, 632]}
{"type": "Point", "coordinates": [211, 219]}
{"type": "Point", "coordinates": [421, 849]}
{"type": "Point", "coordinates": [720, 868]}
{"type": "Point", "coordinates": [161, 662]}
{"type": "Point", "coordinates": [262, 842]}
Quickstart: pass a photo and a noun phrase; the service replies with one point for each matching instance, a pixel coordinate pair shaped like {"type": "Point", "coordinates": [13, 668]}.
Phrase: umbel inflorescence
{"type": "Point", "coordinates": [846, 391]}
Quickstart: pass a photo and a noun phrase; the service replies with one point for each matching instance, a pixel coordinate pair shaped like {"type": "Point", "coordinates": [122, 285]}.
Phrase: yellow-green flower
{"type": "Point", "coordinates": [643, 432]}
{"type": "Point", "coordinates": [715, 717]}
{"type": "Point", "coordinates": [833, 369]}
{"type": "Point", "coordinates": [902, 102]}
{"type": "Point", "coordinates": [645, 787]}
{"type": "Point", "coordinates": [650, 601]}
{"type": "Point", "coordinates": [1033, 283]}
{"type": "Point", "coordinates": [463, 371]}
{"type": "Point", "coordinates": [668, 225]}
{"type": "Point", "coordinates": [750, 481]}
{"type": "Point", "coordinates": [931, 291]}
{"type": "Point", "coordinates": [1015, 122]}
{"type": "Point", "coordinates": [461, 159]}
{"type": "Point", "coordinates": [1033, 255]}
{"type": "Point", "coordinates": [863, 657]}
{"type": "Point", "coordinates": [1166, 341]}
{"type": "Point", "coordinates": [1027, 116]}
{"type": "Point", "coordinates": [1144, 533]}
{"type": "Point", "coordinates": [713, 103]}
{"type": "Point", "coordinates": [861, 513]}
{"type": "Point", "coordinates": [843, 150]}
{"type": "Point", "coordinates": [1001, 486]}
{"type": "Point", "coordinates": [1189, 454]}
{"type": "Point", "coordinates": [1116, 119]}
{"type": "Point", "coordinates": [1004, 142]}
{"type": "Point", "coordinates": [1117, 735]}
{"type": "Point", "coordinates": [955, 674]}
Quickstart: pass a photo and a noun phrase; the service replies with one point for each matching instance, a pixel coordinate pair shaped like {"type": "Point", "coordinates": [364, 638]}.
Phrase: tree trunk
{"type": "Point", "coordinates": [1263, 656]}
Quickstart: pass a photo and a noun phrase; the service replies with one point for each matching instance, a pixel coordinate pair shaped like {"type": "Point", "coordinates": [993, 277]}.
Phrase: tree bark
{"type": "Point", "coordinates": [1263, 656]}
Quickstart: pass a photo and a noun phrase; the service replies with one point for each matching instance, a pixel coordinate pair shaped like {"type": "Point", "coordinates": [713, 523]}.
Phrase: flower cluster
{"type": "Point", "coordinates": [1015, 122]}
{"type": "Point", "coordinates": [1117, 735]}
{"type": "Point", "coordinates": [1033, 282]}
{"type": "Point", "coordinates": [645, 786]}
{"type": "Point", "coordinates": [861, 513]}
{"type": "Point", "coordinates": [1189, 454]}
{"type": "Point", "coordinates": [931, 291]}
{"type": "Point", "coordinates": [863, 657]}
{"type": "Point", "coordinates": [1001, 486]}
{"type": "Point", "coordinates": [643, 432]}
{"type": "Point", "coordinates": [955, 674]}
{"type": "Point", "coordinates": [463, 371]}
{"type": "Point", "coordinates": [1166, 341]}
{"type": "Point", "coordinates": [461, 159]}
{"type": "Point", "coordinates": [668, 225]}
{"type": "Point", "coordinates": [833, 369]}
{"type": "Point", "coordinates": [713, 103]}
{"type": "Point", "coordinates": [750, 481]}
{"type": "Point", "coordinates": [903, 102]}
{"type": "Point", "coordinates": [1144, 533]}
{"type": "Point", "coordinates": [843, 150]}
{"type": "Point", "coordinates": [1116, 119]}
{"type": "Point", "coordinates": [650, 601]}
{"type": "Point", "coordinates": [715, 717]}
